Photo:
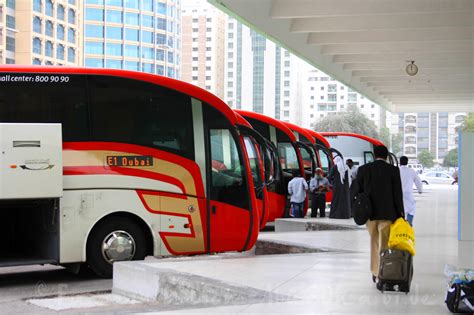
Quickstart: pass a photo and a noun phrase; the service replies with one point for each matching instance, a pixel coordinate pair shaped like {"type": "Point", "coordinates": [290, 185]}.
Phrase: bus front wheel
{"type": "Point", "coordinates": [116, 239]}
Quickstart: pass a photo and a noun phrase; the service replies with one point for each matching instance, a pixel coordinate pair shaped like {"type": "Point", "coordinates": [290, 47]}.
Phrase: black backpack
{"type": "Point", "coordinates": [460, 297]}
{"type": "Point", "coordinates": [362, 205]}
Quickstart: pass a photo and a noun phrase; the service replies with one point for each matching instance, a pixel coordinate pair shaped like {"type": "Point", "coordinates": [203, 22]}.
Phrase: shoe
{"type": "Point", "coordinates": [374, 278]}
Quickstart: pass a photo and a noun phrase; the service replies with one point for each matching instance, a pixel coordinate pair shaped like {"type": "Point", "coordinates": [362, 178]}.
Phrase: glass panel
{"type": "Point", "coordinates": [94, 62]}
{"type": "Point", "coordinates": [114, 49]}
{"type": "Point", "coordinates": [94, 48]}
{"type": "Point", "coordinates": [131, 18]}
{"type": "Point", "coordinates": [131, 51]}
{"type": "Point", "coordinates": [227, 178]}
{"type": "Point", "coordinates": [254, 165]}
{"type": "Point", "coordinates": [147, 20]}
{"type": "Point", "coordinates": [114, 16]}
{"type": "Point", "coordinates": [94, 14]}
{"type": "Point", "coordinates": [132, 34]}
{"type": "Point", "coordinates": [288, 157]}
{"type": "Point", "coordinates": [114, 32]}
{"type": "Point", "coordinates": [60, 32]}
{"type": "Point", "coordinates": [95, 31]}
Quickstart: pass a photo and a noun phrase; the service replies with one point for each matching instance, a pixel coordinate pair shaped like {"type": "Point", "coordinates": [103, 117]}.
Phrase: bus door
{"type": "Point", "coordinates": [393, 159]}
{"type": "Point", "coordinates": [230, 209]}
{"type": "Point", "coordinates": [325, 156]}
{"type": "Point", "coordinates": [309, 162]}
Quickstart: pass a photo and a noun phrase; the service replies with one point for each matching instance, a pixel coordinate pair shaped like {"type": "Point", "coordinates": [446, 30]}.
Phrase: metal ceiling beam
{"type": "Point", "coordinates": [426, 56]}
{"type": "Point", "coordinates": [315, 8]}
{"type": "Point", "coordinates": [376, 22]}
{"type": "Point", "coordinates": [390, 36]}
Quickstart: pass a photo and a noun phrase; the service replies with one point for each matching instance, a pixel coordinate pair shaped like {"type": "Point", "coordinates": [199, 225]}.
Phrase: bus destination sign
{"type": "Point", "coordinates": [130, 160]}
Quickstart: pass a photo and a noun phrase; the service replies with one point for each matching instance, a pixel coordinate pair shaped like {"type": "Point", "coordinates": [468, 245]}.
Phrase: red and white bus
{"type": "Point", "coordinates": [357, 147]}
{"type": "Point", "coordinates": [144, 165]}
{"type": "Point", "coordinates": [306, 144]}
{"type": "Point", "coordinates": [324, 150]}
{"type": "Point", "coordinates": [289, 156]}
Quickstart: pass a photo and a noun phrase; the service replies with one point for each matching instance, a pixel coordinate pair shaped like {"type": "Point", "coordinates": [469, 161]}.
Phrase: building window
{"type": "Point", "coordinates": [230, 35]}
{"type": "Point", "coordinates": [94, 62]}
{"type": "Point", "coordinates": [10, 21]}
{"type": "Point", "coordinates": [286, 113]}
{"type": "Point", "coordinates": [286, 93]}
{"type": "Point", "coordinates": [60, 32]}
{"type": "Point", "coordinates": [49, 28]}
{"type": "Point", "coordinates": [361, 105]}
{"type": "Point", "coordinates": [11, 4]}
{"type": "Point", "coordinates": [95, 31]}
{"type": "Point", "coordinates": [59, 13]}
{"type": "Point", "coordinates": [10, 44]}
{"type": "Point", "coordinates": [208, 48]}
{"type": "Point", "coordinates": [148, 67]}
{"type": "Point", "coordinates": [131, 65]}
{"type": "Point", "coordinates": [37, 46]}
{"type": "Point", "coordinates": [147, 37]}
{"type": "Point", "coordinates": [71, 16]}
{"type": "Point", "coordinates": [94, 14]}
{"type": "Point", "coordinates": [160, 39]}
{"type": "Point", "coordinates": [208, 58]}
{"type": "Point", "coordinates": [49, 8]}
{"type": "Point", "coordinates": [286, 103]}
{"type": "Point", "coordinates": [230, 74]}
{"type": "Point", "coordinates": [332, 98]}
{"type": "Point", "coordinates": [161, 24]}
{"type": "Point", "coordinates": [342, 97]}
{"type": "Point", "coordinates": [195, 49]}
{"type": "Point", "coordinates": [208, 39]}
{"type": "Point", "coordinates": [332, 88]}
{"type": "Point", "coordinates": [116, 3]}
{"type": "Point", "coordinates": [209, 20]}
{"type": "Point", "coordinates": [230, 65]}
{"type": "Point", "coordinates": [195, 20]}
{"type": "Point", "coordinates": [37, 6]}
{"type": "Point", "coordinates": [230, 45]}
{"type": "Point", "coordinates": [60, 52]}
{"type": "Point", "coordinates": [312, 88]}
{"type": "Point", "coordinates": [287, 63]}
{"type": "Point", "coordinates": [147, 20]}
{"type": "Point", "coordinates": [132, 4]}
{"type": "Point", "coordinates": [372, 106]}
{"type": "Point", "coordinates": [195, 58]}
{"type": "Point", "coordinates": [170, 56]}
{"type": "Point", "coordinates": [195, 68]}
{"type": "Point", "coordinates": [114, 49]}
{"type": "Point", "coordinates": [161, 8]}
{"type": "Point", "coordinates": [322, 88]}
{"type": "Point", "coordinates": [322, 97]}
{"type": "Point", "coordinates": [160, 55]}
{"type": "Point", "coordinates": [49, 49]}
{"type": "Point", "coordinates": [114, 32]}
{"type": "Point", "coordinates": [208, 77]}
{"type": "Point", "coordinates": [114, 16]}
{"type": "Point", "coordinates": [342, 87]}
{"type": "Point", "coordinates": [132, 51]}
{"type": "Point", "coordinates": [287, 73]}
{"type": "Point", "coordinates": [194, 78]}
{"type": "Point", "coordinates": [287, 83]}
{"type": "Point", "coordinates": [147, 53]}
{"type": "Point", "coordinates": [94, 48]}
{"type": "Point", "coordinates": [352, 97]}
{"type": "Point", "coordinates": [36, 61]}
{"type": "Point", "coordinates": [131, 34]}
{"type": "Point", "coordinates": [37, 25]}
{"type": "Point", "coordinates": [71, 36]}
{"type": "Point", "coordinates": [131, 18]}
{"type": "Point", "coordinates": [114, 64]}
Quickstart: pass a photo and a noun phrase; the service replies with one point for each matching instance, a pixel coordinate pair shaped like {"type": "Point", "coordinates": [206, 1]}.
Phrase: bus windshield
{"type": "Point", "coordinates": [254, 164]}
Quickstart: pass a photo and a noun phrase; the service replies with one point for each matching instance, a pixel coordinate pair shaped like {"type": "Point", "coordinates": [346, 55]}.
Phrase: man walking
{"type": "Point", "coordinates": [297, 188]}
{"type": "Point", "coordinates": [318, 186]}
{"type": "Point", "coordinates": [409, 177]}
{"type": "Point", "coordinates": [381, 181]}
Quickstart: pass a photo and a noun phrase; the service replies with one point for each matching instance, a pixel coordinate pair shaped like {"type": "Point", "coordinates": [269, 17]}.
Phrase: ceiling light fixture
{"type": "Point", "coordinates": [412, 69]}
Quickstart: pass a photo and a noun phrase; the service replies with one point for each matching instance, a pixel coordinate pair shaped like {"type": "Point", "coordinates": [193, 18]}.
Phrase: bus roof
{"type": "Point", "coordinates": [241, 120]}
{"type": "Point", "coordinates": [268, 120]}
{"type": "Point", "coordinates": [355, 135]}
{"type": "Point", "coordinates": [320, 137]}
{"type": "Point", "coordinates": [180, 86]}
{"type": "Point", "coordinates": [302, 131]}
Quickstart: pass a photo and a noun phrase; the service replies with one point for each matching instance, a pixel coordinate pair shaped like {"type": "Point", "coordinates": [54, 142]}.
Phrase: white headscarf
{"type": "Point", "coordinates": [342, 168]}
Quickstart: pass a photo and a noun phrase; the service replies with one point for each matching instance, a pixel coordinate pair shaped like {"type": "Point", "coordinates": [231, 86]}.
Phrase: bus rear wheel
{"type": "Point", "coordinates": [117, 239]}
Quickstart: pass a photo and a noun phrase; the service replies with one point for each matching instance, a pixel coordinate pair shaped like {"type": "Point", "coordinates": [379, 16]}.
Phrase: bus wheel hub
{"type": "Point", "coordinates": [118, 246]}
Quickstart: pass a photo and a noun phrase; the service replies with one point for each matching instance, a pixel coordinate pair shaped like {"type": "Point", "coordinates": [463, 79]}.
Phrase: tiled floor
{"type": "Point", "coordinates": [340, 282]}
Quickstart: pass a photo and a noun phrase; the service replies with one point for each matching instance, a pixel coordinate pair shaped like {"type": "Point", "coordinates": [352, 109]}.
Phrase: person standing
{"type": "Point", "coordinates": [381, 182]}
{"type": "Point", "coordinates": [340, 181]}
{"type": "Point", "coordinates": [318, 186]}
{"type": "Point", "coordinates": [352, 169]}
{"type": "Point", "coordinates": [297, 188]}
{"type": "Point", "coordinates": [409, 177]}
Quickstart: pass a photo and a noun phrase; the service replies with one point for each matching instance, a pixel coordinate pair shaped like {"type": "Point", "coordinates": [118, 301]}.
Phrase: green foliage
{"type": "Point", "coordinates": [468, 124]}
{"type": "Point", "coordinates": [426, 158]}
{"type": "Point", "coordinates": [451, 159]}
{"type": "Point", "coordinates": [384, 136]}
{"type": "Point", "coordinates": [351, 120]}
{"type": "Point", "coordinates": [397, 144]}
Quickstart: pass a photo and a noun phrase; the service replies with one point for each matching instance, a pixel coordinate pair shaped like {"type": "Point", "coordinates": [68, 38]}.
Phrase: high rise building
{"type": "Point", "coordinates": [203, 46]}
{"type": "Point", "coordinates": [433, 132]}
{"type": "Point", "coordinates": [259, 75]}
{"type": "Point", "coordinates": [134, 35]}
{"type": "Point", "coordinates": [41, 32]}
{"type": "Point", "coordinates": [323, 96]}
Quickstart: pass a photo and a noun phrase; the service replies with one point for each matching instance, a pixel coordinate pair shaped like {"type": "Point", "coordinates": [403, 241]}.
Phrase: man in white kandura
{"type": "Point", "coordinates": [408, 177]}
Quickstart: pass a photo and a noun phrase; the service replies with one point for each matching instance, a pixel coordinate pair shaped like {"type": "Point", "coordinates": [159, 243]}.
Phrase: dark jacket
{"type": "Point", "coordinates": [382, 181]}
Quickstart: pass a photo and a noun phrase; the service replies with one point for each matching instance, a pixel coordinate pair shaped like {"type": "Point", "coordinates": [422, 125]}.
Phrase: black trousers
{"type": "Point", "coordinates": [318, 201]}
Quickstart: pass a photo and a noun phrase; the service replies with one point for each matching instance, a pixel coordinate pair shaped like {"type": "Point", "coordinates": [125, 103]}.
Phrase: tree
{"type": "Point", "coordinates": [351, 120]}
{"type": "Point", "coordinates": [426, 159]}
{"type": "Point", "coordinates": [385, 136]}
{"type": "Point", "coordinates": [451, 159]}
{"type": "Point", "coordinates": [397, 144]}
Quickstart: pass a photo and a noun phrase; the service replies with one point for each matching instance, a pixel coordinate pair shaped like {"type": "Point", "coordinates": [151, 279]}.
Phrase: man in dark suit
{"type": "Point", "coordinates": [381, 181]}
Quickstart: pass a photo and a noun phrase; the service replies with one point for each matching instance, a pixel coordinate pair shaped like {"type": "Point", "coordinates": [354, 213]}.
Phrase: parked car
{"type": "Point", "coordinates": [437, 177]}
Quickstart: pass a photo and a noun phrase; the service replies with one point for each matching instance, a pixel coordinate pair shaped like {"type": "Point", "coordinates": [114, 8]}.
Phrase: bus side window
{"type": "Point", "coordinates": [141, 113]}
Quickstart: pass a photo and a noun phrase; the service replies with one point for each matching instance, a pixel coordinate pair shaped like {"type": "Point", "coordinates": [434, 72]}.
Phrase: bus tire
{"type": "Point", "coordinates": [116, 239]}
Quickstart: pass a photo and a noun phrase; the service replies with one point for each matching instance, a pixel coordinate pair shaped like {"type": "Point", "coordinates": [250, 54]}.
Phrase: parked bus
{"type": "Point", "coordinates": [289, 156]}
{"type": "Point", "coordinates": [101, 165]}
{"type": "Point", "coordinates": [306, 144]}
{"type": "Point", "coordinates": [357, 147]}
{"type": "Point", "coordinates": [324, 150]}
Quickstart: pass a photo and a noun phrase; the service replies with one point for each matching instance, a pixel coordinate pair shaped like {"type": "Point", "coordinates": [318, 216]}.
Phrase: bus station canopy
{"type": "Point", "coordinates": [367, 45]}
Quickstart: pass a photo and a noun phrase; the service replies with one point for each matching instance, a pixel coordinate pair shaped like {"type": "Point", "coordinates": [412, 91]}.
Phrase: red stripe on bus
{"type": "Point", "coordinates": [101, 170]}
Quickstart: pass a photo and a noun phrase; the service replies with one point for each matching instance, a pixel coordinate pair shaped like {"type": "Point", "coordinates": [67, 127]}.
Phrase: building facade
{"type": "Point", "coordinates": [202, 61]}
{"type": "Point", "coordinates": [323, 96]}
{"type": "Point", "coordinates": [134, 35]}
{"type": "Point", "coordinates": [41, 32]}
{"type": "Point", "coordinates": [433, 132]}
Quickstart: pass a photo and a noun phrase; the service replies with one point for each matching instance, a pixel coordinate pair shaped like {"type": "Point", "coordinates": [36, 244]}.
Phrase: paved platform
{"type": "Point", "coordinates": [314, 224]}
{"type": "Point", "coordinates": [339, 281]}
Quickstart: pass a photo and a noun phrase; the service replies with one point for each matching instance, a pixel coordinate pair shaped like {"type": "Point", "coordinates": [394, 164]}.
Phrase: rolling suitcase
{"type": "Point", "coordinates": [396, 271]}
